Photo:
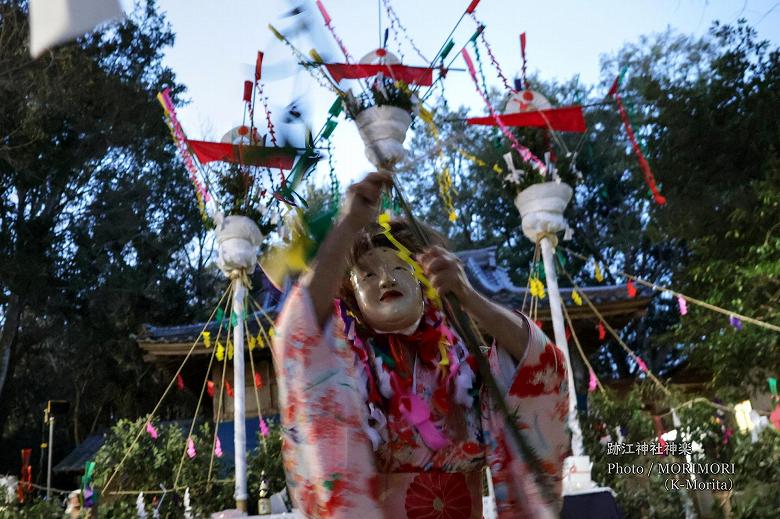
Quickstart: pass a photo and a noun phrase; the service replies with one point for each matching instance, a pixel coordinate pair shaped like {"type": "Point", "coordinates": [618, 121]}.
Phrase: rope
{"type": "Point", "coordinates": [699, 302]}
{"type": "Point", "coordinates": [200, 400]}
{"type": "Point", "coordinates": [579, 348]}
{"type": "Point", "coordinates": [613, 332]}
{"type": "Point", "coordinates": [254, 385]}
{"type": "Point", "coordinates": [142, 429]}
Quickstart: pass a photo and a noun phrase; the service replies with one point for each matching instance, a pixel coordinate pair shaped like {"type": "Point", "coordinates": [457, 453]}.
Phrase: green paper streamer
{"type": "Point", "coordinates": [446, 50]}
{"type": "Point", "coordinates": [476, 34]}
{"type": "Point", "coordinates": [330, 125]}
{"type": "Point", "coordinates": [89, 472]}
{"type": "Point", "coordinates": [336, 108]}
{"type": "Point", "coordinates": [219, 315]}
{"type": "Point", "coordinates": [772, 385]}
{"type": "Point", "coordinates": [560, 257]}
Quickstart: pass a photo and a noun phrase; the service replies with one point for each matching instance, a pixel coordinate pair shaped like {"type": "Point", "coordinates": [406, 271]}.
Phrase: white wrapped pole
{"type": "Point", "coordinates": [239, 423]}
{"type": "Point", "coordinates": [383, 130]}
{"type": "Point", "coordinates": [541, 207]}
{"type": "Point", "coordinates": [238, 238]}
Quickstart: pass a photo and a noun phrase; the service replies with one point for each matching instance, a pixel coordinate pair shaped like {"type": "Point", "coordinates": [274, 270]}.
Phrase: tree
{"type": "Point", "coordinates": [95, 222]}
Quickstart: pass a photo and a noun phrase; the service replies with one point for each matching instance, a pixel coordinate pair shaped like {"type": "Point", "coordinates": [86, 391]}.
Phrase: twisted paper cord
{"type": "Point", "coordinates": [392, 15]}
{"type": "Point", "coordinates": [443, 179]}
{"type": "Point", "coordinates": [493, 59]}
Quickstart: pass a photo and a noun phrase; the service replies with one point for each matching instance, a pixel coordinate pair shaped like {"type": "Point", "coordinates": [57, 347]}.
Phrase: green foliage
{"type": "Point", "coordinates": [267, 458]}
{"type": "Point", "coordinates": [758, 471]}
{"type": "Point", "coordinates": [37, 509]}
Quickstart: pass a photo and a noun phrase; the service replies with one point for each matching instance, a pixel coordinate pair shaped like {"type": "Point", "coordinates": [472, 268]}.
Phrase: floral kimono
{"type": "Point", "coordinates": [394, 426]}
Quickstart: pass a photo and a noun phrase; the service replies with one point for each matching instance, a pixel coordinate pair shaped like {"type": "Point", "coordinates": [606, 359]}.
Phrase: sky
{"type": "Point", "coordinates": [217, 42]}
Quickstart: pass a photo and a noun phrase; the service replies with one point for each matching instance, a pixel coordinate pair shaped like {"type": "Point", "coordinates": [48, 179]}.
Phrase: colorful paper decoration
{"type": "Point", "coordinates": [683, 304]}
{"type": "Point", "coordinates": [264, 432]}
{"type": "Point", "coordinates": [230, 350]}
{"type": "Point", "coordinates": [641, 364]}
{"type": "Point", "coordinates": [597, 272]}
{"type": "Point", "coordinates": [152, 430]}
{"type": "Point", "coordinates": [220, 352]}
{"type": "Point", "coordinates": [25, 481]}
{"type": "Point", "coordinates": [774, 417]}
{"type": "Point", "coordinates": [631, 288]}
{"type": "Point", "coordinates": [735, 322]}
{"type": "Point", "coordinates": [252, 342]}
{"type": "Point", "coordinates": [772, 385]}
{"type": "Point", "coordinates": [537, 288]}
{"type": "Point", "coordinates": [258, 380]}
{"type": "Point", "coordinates": [576, 298]}
{"type": "Point", "coordinates": [269, 157]}
{"type": "Point", "coordinates": [643, 164]}
{"type": "Point", "coordinates": [191, 448]}
{"type": "Point", "coordinates": [229, 389]}
{"type": "Point", "coordinates": [210, 388]}
{"type": "Point", "coordinates": [524, 152]}
{"type": "Point", "coordinates": [592, 381]}
{"type": "Point", "coordinates": [564, 119]}
{"type": "Point", "coordinates": [179, 382]}
{"type": "Point", "coordinates": [217, 447]}
{"type": "Point", "coordinates": [602, 331]}
{"type": "Point", "coordinates": [422, 76]}
{"type": "Point", "coordinates": [206, 339]}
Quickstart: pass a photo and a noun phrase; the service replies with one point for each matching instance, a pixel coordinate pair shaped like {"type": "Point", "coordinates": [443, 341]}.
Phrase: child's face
{"type": "Point", "coordinates": [387, 293]}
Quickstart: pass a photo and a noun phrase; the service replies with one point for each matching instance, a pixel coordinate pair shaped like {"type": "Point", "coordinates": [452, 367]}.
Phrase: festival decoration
{"type": "Point", "coordinates": [217, 448]}
{"type": "Point", "coordinates": [179, 382]}
{"type": "Point", "coordinates": [25, 480]}
{"type": "Point", "coordinates": [191, 448]}
{"type": "Point", "coordinates": [140, 506]}
{"type": "Point", "coordinates": [152, 430]}
{"type": "Point", "coordinates": [264, 431]}
{"type": "Point", "coordinates": [735, 322]}
{"type": "Point", "coordinates": [630, 288]}
{"type": "Point", "coordinates": [683, 305]}
{"type": "Point", "coordinates": [643, 164]}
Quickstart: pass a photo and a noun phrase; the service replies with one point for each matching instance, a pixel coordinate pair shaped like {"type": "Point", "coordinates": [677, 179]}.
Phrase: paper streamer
{"type": "Point", "coordinates": [524, 152]}
{"type": "Point", "coordinates": [151, 430]}
{"type": "Point", "coordinates": [264, 432]}
{"type": "Point", "coordinates": [210, 388]}
{"type": "Point", "coordinates": [576, 298]}
{"type": "Point", "coordinates": [597, 272]}
{"type": "Point", "coordinates": [329, 25]}
{"type": "Point", "coordinates": [217, 448]}
{"type": "Point", "coordinates": [444, 180]}
{"type": "Point", "coordinates": [229, 389]}
{"type": "Point", "coordinates": [405, 254]}
{"type": "Point", "coordinates": [206, 339]}
{"type": "Point", "coordinates": [735, 322]}
{"type": "Point", "coordinates": [592, 381]}
{"type": "Point", "coordinates": [180, 140]}
{"type": "Point", "coordinates": [191, 448]}
{"type": "Point", "coordinates": [641, 364]}
{"type": "Point", "coordinates": [602, 332]}
{"type": "Point", "coordinates": [179, 382]}
{"type": "Point", "coordinates": [631, 288]}
{"type": "Point", "coordinates": [683, 305]}
{"type": "Point", "coordinates": [643, 164]}
{"type": "Point", "coordinates": [258, 380]}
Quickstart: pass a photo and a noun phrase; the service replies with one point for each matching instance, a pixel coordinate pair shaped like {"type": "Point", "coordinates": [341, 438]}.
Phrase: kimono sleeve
{"type": "Point", "coordinates": [536, 393]}
{"type": "Point", "coordinates": [328, 457]}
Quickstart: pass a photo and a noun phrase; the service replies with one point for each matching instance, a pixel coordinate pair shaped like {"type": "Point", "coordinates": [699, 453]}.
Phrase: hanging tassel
{"type": "Point", "coordinates": [602, 332]}
{"type": "Point", "coordinates": [218, 448]}
{"type": "Point", "coordinates": [576, 298]}
{"type": "Point", "coordinates": [592, 381]}
{"type": "Point", "coordinates": [210, 388]}
{"type": "Point", "coordinates": [630, 288]}
{"type": "Point", "coordinates": [229, 389]}
{"type": "Point", "coordinates": [597, 272]}
{"type": "Point", "coordinates": [230, 350]}
{"type": "Point", "coordinates": [258, 380]}
{"type": "Point", "coordinates": [264, 432]}
{"type": "Point", "coordinates": [260, 341]}
{"type": "Point", "coordinates": [735, 322]}
{"type": "Point", "coordinates": [683, 304]}
{"type": "Point", "coordinates": [151, 430]}
{"type": "Point", "coordinates": [220, 352]}
{"type": "Point", "coordinates": [206, 339]}
{"type": "Point", "coordinates": [191, 448]}
{"type": "Point", "coordinates": [179, 382]}
{"type": "Point", "coordinates": [252, 342]}
{"type": "Point", "coordinates": [641, 364]}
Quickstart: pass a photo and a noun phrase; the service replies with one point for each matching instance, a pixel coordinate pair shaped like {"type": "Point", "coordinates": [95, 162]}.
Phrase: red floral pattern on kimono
{"type": "Point", "coordinates": [351, 451]}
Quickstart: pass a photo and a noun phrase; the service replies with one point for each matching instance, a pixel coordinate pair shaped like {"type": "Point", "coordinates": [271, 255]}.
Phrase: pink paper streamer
{"type": "Point", "coordinates": [683, 304]}
{"type": "Point", "coordinates": [641, 364]}
{"type": "Point", "coordinates": [417, 413]}
{"type": "Point", "coordinates": [264, 432]}
{"type": "Point", "coordinates": [592, 382]}
{"type": "Point", "coordinates": [151, 430]}
{"type": "Point", "coordinates": [190, 448]}
{"type": "Point", "coordinates": [218, 448]}
{"type": "Point", "coordinates": [524, 152]}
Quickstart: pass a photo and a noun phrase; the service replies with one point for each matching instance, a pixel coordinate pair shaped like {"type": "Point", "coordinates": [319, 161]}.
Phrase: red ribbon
{"type": "Point", "coordinates": [643, 164]}
{"type": "Point", "coordinates": [243, 154]}
{"type": "Point", "coordinates": [179, 382]}
{"type": "Point", "coordinates": [248, 91]}
{"type": "Point", "coordinates": [258, 66]}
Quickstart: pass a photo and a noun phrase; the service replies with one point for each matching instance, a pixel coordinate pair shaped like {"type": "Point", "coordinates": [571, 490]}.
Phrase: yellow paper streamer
{"type": "Point", "coordinates": [252, 342]}
{"type": "Point", "coordinates": [576, 298]}
{"type": "Point", "coordinates": [405, 254]}
{"type": "Point", "coordinates": [537, 288]}
{"type": "Point", "coordinates": [206, 339]}
{"type": "Point", "coordinates": [220, 352]}
{"type": "Point", "coordinates": [444, 179]}
{"type": "Point", "coordinates": [230, 350]}
{"type": "Point", "coordinates": [597, 272]}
